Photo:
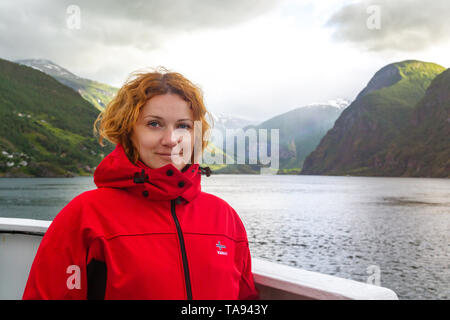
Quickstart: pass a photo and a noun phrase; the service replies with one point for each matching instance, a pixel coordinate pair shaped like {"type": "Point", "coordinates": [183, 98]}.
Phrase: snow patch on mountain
{"type": "Point", "coordinates": [48, 67]}
{"type": "Point", "coordinates": [339, 103]}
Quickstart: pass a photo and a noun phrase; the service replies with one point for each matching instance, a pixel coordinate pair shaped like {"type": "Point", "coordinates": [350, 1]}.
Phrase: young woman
{"type": "Point", "coordinates": [147, 231]}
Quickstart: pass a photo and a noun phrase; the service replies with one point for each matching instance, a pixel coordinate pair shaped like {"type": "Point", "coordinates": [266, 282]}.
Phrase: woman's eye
{"type": "Point", "coordinates": [153, 124]}
{"type": "Point", "coordinates": [184, 126]}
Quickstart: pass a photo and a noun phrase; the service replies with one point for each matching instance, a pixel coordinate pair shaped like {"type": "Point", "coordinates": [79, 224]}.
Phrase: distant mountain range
{"type": "Point", "coordinates": [397, 126]}
{"type": "Point", "coordinates": [300, 131]}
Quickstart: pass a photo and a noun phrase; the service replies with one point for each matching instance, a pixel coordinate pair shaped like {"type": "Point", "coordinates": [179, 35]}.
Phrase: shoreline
{"type": "Point", "coordinates": [12, 176]}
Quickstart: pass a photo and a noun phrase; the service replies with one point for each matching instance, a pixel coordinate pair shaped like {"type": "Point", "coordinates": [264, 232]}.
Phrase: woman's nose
{"type": "Point", "coordinates": [170, 138]}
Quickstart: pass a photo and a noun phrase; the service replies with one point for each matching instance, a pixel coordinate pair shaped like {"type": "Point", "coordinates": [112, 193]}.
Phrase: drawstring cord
{"type": "Point", "coordinates": [205, 170]}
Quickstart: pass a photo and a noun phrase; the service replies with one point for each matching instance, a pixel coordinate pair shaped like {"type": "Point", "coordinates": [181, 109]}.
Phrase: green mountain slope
{"type": "Point", "coordinates": [99, 94]}
{"type": "Point", "coordinates": [423, 147]}
{"type": "Point", "coordinates": [373, 121]}
{"type": "Point", "coordinates": [45, 127]}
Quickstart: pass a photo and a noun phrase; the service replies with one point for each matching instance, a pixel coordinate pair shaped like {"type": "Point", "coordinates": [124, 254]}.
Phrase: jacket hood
{"type": "Point", "coordinates": [164, 183]}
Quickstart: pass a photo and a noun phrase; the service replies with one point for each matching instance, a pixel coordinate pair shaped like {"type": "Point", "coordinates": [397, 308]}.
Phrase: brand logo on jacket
{"type": "Point", "coordinates": [221, 246]}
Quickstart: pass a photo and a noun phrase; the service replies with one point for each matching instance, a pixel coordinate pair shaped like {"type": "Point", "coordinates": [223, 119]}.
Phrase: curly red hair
{"type": "Point", "coordinates": [115, 123]}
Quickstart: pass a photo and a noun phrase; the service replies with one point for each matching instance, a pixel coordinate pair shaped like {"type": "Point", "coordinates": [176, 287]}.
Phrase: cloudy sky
{"type": "Point", "coordinates": [252, 58]}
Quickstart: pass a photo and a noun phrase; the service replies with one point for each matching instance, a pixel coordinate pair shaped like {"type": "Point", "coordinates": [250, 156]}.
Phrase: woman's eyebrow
{"type": "Point", "coordinates": [152, 116]}
{"type": "Point", "coordinates": [158, 117]}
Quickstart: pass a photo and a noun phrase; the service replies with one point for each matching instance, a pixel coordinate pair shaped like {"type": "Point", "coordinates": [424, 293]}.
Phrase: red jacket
{"type": "Point", "coordinates": [143, 234]}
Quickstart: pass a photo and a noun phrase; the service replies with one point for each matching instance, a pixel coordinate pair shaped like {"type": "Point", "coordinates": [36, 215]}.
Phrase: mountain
{"type": "Point", "coordinates": [223, 121]}
{"type": "Point", "coordinates": [97, 93]}
{"type": "Point", "coordinates": [423, 147]}
{"type": "Point", "coordinates": [45, 127]}
{"type": "Point", "coordinates": [300, 131]}
{"type": "Point", "coordinates": [377, 117]}
{"type": "Point", "coordinates": [338, 103]}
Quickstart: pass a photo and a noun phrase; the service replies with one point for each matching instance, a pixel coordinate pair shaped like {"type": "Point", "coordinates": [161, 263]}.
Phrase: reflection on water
{"type": "Point", "coordinates": [401, 201]}
{"type": "Point", "coordinates": [334, 225]}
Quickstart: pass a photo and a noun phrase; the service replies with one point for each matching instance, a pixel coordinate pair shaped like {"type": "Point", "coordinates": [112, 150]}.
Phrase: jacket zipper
{"type": "Point", "coordinates": [187, 277]}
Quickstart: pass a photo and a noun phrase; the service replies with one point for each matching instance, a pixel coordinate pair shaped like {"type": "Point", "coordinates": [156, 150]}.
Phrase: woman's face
{"type": "Point", "coordinates": [164, 132]}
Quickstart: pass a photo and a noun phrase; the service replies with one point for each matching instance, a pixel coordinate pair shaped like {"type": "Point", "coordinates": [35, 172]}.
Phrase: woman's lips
{"type": "Point", "coordinates": [165, 155]}
{"type": "Point", "coordinates": [169, 155]}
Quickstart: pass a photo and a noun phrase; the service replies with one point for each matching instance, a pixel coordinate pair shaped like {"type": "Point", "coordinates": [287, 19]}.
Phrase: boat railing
{"type": "Point", "coordinates": [20, 239]}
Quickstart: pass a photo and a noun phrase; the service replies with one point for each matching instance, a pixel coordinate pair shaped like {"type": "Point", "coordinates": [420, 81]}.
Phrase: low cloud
{"type": "Point", "coordinates": [118, 22]}
{"type": "Point", "coordinates": [405, 25]}
{"type": "Point", "coordinates": [39, 29]}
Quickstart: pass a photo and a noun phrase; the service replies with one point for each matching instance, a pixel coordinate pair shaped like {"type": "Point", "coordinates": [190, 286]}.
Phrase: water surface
{"type": "Point", "coordinates": [335, 225]}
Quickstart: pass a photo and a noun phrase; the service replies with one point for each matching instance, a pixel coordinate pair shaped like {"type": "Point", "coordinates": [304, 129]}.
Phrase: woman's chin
{"type": "Point", "coordinates": [163, 162]}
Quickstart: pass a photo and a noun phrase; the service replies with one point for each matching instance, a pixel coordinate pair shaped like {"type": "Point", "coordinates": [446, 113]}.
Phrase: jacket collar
{"type": "Point", "coordinates": [164, 183]}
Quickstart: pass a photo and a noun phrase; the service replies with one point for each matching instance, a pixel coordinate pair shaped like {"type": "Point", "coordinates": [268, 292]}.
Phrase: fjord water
{"type": "Point", "coordinates": [391, 231]}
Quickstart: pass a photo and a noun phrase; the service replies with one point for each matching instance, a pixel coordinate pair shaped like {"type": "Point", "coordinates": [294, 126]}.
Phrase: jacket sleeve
{"type": "Point", "coordinates": [247, 289]}
{"type": "Point", "coordinates": [59, 267]}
